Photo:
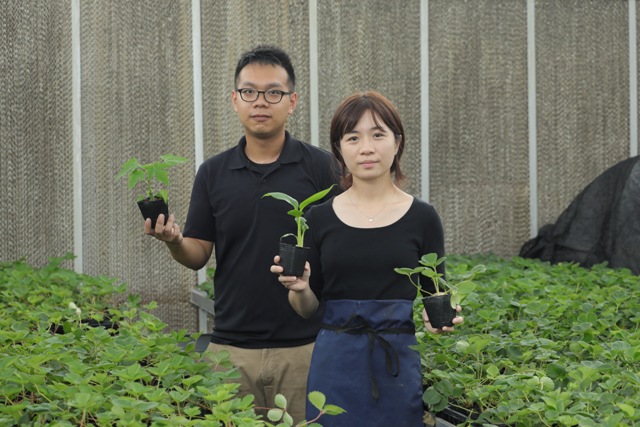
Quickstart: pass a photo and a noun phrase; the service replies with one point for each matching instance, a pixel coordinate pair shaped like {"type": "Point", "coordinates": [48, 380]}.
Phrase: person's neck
{"type": "Point", "coordinates": [371, 192]}
{"type": "Point", "coordinates": [264, 150]}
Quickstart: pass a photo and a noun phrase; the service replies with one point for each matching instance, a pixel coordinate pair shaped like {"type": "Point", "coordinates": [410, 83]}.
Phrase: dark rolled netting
{"type": "Point", "coordinates": [601, 224]}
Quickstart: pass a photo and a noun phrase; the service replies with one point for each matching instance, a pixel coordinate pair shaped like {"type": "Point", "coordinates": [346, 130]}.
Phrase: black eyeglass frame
{"type": "Point", "coordinates": [264, 94]}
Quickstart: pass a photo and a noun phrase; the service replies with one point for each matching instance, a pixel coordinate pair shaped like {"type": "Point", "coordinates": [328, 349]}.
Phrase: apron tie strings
{"type": "Point", "coordinates": [359, 326]}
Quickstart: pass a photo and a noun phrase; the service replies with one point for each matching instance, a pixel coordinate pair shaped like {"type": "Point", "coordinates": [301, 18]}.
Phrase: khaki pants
{"type": "Point", "coordinates": [268, 371]}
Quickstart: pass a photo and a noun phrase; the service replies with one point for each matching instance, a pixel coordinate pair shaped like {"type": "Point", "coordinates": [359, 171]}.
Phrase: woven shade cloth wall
{"type": "Point", "coordinates": [137, 101]}
{"type": "Point", "coordinates": [233, 27]}
{"type": "Point", "coordinates": [372, 45]}
{"type": "Point", "coordinates": [582, 57]}
{"type": "Point", "coordinates": [478, 123]}
{"type": "Point", "coordinates": [36, 201]}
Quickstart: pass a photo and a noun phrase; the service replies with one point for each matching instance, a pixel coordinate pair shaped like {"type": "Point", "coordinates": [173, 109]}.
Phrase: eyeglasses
{"type": "Point", "coordinates": [272, 96]}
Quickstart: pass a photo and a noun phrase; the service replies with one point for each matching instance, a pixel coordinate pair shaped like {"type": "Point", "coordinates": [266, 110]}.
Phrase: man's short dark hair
{"type": "Point", "coordinates": [265, 54]}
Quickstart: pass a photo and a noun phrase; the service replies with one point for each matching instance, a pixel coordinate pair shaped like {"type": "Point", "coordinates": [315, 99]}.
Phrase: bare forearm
{"type": "Point", "coordinates": [190, 252]}
{"type": "Point", "coordinates": [303, 302]}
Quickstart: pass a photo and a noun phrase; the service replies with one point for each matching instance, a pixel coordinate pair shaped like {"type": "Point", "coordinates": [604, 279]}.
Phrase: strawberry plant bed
{"type": "Point", "coordinates": [541, 344]}
{"type": "Point", "coordinates": [59, 365]}
{"type": "Point", "coordinates": [70, 356]}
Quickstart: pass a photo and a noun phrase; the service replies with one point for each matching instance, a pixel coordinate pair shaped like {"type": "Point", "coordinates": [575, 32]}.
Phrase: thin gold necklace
{"type": "Point", "coordinates": [369, 217]}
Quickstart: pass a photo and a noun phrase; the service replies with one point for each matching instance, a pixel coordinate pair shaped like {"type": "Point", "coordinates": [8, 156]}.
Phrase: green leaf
{"type": "Point", "coordinates": [555, 370]}
{"type": "Point", "coordinates": [289, 235]}
{"type": "Point", "coordinates": [430, 259]}
{"type": "Point", "coordinates": [627, 409]}
{"type": "Point", "coordinates": [315, 197]}
{"type": "Point", "coordinates": [284, 197]}
{"type": "Point", "coordinates": [155, 395]}
{"type": "Point", "coordinates": [180, 395]}
{"type": "Point", "coordinates": [431, 396]}
{"type": "Point", "coordinates": [281, 401]}
{"type": "Point", "coordinates": [287, 419]}
{"type": "Point", "coordinates": [192, 380]}
{"type": "Point", "coordinates": [295, 213]}
{"type": "Point", "coordinates": [492, 371]}
{"type": "Point", "coordinates": [128, 167]}
{"type": "Point", "coordinates": [408, 271]}
{"type": "Point", "coordinates": [163, 194]}
{"type": "Point", "coordinates": [172, 160]}
{"type": "Point", "coordinates": [455, 300]}
{"type": "Point", "coordinates": [81, 400]}
{"type": "Point", "coordinates": [333, 410]}
{"type": "Point", "coordinates": [192, 411]}
{"type": "Point", "coordinates": [478, 269]}
{"type": "Point", "coordinates": [465, 288]}
{"type": "Point", "coordinates": [132, 373]}
{"type": "Point", "coordinates": [135, 177]}
{"type": "Point", "coordinates": [317, 399]}
{"type": "Point", "coordinates": [275, 414]}
{"type": "Point", "coordinates": [161, 175]}
{"type": "Point", "coordinates": [302, 224]}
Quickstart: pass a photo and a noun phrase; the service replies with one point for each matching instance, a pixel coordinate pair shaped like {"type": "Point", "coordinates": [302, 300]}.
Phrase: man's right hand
{"type": "Point", "coordinates": [188, 251]}
{"type": "Point", "coordinates": [169, 233]}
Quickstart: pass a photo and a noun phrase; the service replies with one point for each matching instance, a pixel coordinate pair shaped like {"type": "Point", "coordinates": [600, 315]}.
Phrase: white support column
{"type": "Point", "coordinates": [424, 98]}
{"type": "Point", "coordinates": [533, 118]}
{"type": "Point", "coordinates": [76, 80]}
{"type": "Point", "coordinates": [196, 43]}
{"type": "Point", "coordinates": [633, 81]}
{"type": "Point", "coordinates": [314, 119]}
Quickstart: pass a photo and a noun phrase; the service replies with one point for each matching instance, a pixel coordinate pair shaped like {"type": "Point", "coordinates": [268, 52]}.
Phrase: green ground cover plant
{"type": "Point", "coordinates": [541, 345]}
{"type": "Point", "coordinates": [57, 370]}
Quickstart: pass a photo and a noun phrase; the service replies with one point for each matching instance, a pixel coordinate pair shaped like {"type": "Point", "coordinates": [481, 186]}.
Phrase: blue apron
{"type": "Point", "coordinates": [362, 362]}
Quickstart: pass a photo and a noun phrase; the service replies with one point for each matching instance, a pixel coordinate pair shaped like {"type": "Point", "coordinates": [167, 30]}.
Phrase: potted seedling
{"type": "Point", "coordinates": [294, 257]}
{"type": "Point", "coordinates": [153, 201]}
{"type": "Point", "coordinates": [441, 305]}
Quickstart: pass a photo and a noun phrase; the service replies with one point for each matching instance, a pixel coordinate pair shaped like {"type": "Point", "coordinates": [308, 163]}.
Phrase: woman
{"type": "Point", "coordinates": [362, 360]}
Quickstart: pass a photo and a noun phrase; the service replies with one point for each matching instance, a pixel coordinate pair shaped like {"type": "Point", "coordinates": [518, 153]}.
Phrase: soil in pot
{"type": "Point", "coordinates": [439, 310]}
{"type": "Point", "coordinates": [152, 208]}
{"type": "Point", "coordinates": [293, 259]}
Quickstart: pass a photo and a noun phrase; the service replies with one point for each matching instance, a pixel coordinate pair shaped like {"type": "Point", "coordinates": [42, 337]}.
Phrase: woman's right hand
{"type": "Point", "coordinates": [292, 283]}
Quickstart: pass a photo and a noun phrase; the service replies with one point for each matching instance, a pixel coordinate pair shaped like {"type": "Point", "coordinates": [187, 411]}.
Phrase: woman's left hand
{"type": "Point", "coordinates": [458, 320]}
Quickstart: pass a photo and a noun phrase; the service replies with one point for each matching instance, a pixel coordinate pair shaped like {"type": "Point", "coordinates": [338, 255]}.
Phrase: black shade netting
{"type": "Point", "coordinates": [601, 224]}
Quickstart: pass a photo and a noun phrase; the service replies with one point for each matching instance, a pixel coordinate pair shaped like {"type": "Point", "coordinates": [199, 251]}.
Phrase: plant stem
{"type": "Point", "coordinates": [306, 423]}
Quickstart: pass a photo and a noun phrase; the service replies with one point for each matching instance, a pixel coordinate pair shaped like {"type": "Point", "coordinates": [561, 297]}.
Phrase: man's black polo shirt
{"type": "Point", "coordinates": [251, 307]}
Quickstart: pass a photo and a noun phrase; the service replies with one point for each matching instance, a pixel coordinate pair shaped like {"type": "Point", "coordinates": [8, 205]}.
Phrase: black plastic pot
{"type": "Point", "coordinates": [293, 259]}
{"type": "Point", "coordinates": [105, 323]}
{"type": "Point", "coordinates": [450, 416]}
{"type": "Point", "coordinates": [455, 415]}
{"type": "Point", "coordinates": [439, 310]}
{"type": "Point", "coordinates": [431, 420]}
{"type": "Point", "coordinates": [153, 208]}
{"type": "Point", "coordinates": [202, 342]}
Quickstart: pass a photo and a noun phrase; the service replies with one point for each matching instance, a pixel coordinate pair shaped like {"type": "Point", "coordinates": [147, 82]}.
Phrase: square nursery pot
{"type": "Point", "coordinates": [457, 416]}
{"type": "Point", "coordinates": [439, 310]}
{"type": "Point", "coordinates": [106, 323]}
{"type": "Point", "coordinates": [202, 342]}
{"type": "Point", "coordinates": [152, 209]}
{"type": "Point", "coordinates": [293, 259]}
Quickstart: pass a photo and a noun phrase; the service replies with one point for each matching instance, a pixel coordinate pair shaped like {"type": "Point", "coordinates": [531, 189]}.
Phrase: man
{"type": "Point", "coordinates": [268, 342]}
